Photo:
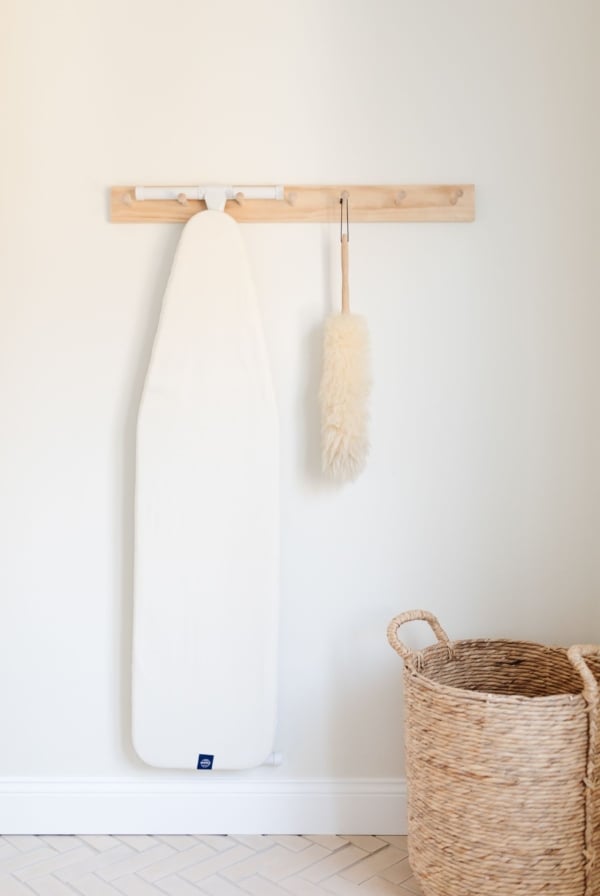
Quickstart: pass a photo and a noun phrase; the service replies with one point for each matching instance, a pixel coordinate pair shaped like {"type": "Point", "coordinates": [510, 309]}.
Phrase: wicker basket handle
{"type": "Point", "coordinates": [409, 656]}
{"type": "Point", "coordinates": [577, 655]}
{"type": "Point", "coordinates": [591, 694]}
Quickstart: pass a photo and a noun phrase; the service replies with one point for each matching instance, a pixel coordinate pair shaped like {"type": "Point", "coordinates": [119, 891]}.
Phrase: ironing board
{"type": "Point", "coordinates": [206, 517]}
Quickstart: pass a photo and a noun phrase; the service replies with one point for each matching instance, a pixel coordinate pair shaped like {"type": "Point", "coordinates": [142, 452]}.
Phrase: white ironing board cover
{"type": "Point", "coordinates": [206, 565]}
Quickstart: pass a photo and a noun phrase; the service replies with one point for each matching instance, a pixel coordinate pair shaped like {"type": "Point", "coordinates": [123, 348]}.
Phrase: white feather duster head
{"type": "Point", "coordinates": [344, 393]}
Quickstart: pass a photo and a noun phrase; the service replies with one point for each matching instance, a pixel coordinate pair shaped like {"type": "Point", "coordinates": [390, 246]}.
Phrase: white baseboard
{"type": "Point", "coordinates": [216, 806]}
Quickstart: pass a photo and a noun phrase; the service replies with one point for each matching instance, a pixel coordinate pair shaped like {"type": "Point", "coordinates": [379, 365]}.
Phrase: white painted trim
{"type": "Point", "coordinates": [217, 805]}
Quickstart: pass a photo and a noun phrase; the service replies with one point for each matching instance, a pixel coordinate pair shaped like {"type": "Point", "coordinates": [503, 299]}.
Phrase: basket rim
{"type": "Point", "coordinates": [489, 696]}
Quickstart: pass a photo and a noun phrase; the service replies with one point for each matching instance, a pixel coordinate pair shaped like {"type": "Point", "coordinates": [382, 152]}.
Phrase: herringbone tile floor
{"type": "Point", "coordinates": [216, 866]}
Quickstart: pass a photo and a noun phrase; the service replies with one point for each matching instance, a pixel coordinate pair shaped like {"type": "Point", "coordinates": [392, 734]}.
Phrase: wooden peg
{"type": "Point", "coordinates": [182, 199]}
{"type": "Point", "coordinates": [400, 197]}
{"type": "Point", "coordinates": [455, 196]}
{"type": "Point", "coordinates": [127, 199]}
{"type": "Point", "coordinates": [240, 198]}
{"type": "Point", "coordinates": [291, 198]}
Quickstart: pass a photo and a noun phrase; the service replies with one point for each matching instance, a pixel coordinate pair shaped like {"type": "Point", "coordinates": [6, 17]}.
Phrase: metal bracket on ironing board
{"type": "Point", "coordinates": [214, 197]}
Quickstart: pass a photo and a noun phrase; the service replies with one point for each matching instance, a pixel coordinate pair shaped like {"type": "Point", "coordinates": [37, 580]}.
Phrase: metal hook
{"type": "Point", "coordinates": [344, 198]}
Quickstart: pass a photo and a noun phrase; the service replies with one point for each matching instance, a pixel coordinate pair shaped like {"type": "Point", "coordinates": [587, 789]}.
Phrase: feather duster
{"type": "Point", "coordinates": [344, 393]}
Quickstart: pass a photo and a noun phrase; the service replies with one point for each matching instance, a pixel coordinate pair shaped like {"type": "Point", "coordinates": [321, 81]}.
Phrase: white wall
{"type": "Point", "coordinates": [595, 256]}
{"type": "Point", "coordinates": [480, 499]}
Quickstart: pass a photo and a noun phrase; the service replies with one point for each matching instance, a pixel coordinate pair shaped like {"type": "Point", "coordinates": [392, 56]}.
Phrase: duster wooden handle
{"type": "Point", "coordinates": [345, 289]}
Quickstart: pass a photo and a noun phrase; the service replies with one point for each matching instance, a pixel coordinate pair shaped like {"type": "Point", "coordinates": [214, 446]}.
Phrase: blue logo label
{"type": "Point", "coordinates": [205, 761]}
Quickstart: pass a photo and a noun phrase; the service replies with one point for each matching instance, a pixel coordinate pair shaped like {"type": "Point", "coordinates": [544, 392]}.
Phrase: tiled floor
{"type": "Point", "coordinates": [311, 865]}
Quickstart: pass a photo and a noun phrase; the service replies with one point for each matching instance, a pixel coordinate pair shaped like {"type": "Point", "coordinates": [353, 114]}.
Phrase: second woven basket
{"type": "Point", "coordinates": [502, 765]}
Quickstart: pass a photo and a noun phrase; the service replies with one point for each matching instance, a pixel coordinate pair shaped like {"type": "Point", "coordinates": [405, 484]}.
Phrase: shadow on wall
{"type": "Point", "coordinates": [159, 275]}
{"type": "Point", "coordinates": [366, 712]}
{"type": "Point", "coordinates": [312, 357]}
{"type": "Point", "coordinates": [311, 411]}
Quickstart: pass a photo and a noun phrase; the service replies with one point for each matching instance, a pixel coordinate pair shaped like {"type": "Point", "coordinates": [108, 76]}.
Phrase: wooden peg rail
{"type": "Point", "coordinates": [317, 204]}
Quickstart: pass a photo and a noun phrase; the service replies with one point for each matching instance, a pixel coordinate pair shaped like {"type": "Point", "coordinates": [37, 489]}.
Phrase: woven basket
{"type": "Point", "coordinates": [501, 758]}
